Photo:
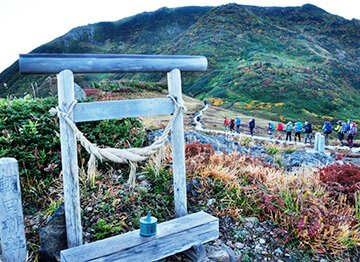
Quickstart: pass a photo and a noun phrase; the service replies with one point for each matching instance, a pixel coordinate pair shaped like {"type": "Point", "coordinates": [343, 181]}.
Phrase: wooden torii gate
{"type": "Point", "coordinates": [199, 227]}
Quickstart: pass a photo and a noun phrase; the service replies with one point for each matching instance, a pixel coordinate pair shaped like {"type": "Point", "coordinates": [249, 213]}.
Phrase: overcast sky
{"type": "Point", "coordinates": [27, 24]}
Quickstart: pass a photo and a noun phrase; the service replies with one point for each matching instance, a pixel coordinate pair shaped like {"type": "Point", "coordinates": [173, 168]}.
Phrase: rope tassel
{"type": "Point", "coordinates": [91, 171]}
{"type": "Point", "coordinates": [130, 155]}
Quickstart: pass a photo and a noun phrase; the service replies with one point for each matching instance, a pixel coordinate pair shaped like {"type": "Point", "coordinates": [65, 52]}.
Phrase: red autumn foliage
{"type": "Point", "coordinates": [196, 156]}
{"type": "Point", "coordinates": [343, 179]}
{"type": "Point", "coordinates": [91, 91]}
{"type": "Point", "coordinates": [339, 157]}
{"type": "Point", "coordinates": [196, 149]}
{"type": "Point", "coordinates": [346, 175]}
{"type": "Point", "coordinates": [270, 203]}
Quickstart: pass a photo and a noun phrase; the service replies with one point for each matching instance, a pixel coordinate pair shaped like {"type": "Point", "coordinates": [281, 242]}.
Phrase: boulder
{"type": "Point", "coordinates": [301, 157]}
{"type": "Point", "coordinates": [53, 236]}
{"type": "Point", "coordinates": [219, 252]}
{"type": "Point", "coordinates": [79, 92]}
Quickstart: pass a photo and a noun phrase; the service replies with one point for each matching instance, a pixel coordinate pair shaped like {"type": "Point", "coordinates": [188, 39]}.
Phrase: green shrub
{"type": "Point", "coordinates": [272, 150]}
{"type": "Point", "coordinates": [161, 179]}
{"type": "Point", "coordinates": [31, 135]}
{"type": "Point", "coordinates": [132, 86]}
{"type": "Point", "coordinates": [245, 141]}
{"type": "Point", "coordinates": [105, 229]}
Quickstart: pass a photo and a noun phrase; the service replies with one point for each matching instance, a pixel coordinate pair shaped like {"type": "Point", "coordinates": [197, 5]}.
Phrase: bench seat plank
{"type": "Point", "coordinates": [172, 237]}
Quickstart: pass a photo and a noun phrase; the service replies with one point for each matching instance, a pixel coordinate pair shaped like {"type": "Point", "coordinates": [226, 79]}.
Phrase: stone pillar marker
{"type": "Point", "coordinates": [319, 143]}
{"type": "Point", "coordinates": [12, 233]}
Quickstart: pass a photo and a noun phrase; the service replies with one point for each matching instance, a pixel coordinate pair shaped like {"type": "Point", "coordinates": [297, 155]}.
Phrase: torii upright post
{"type": "Point", "coordinates": [69, 160]}
{"type": "Point", "coordinates": [178, 147]}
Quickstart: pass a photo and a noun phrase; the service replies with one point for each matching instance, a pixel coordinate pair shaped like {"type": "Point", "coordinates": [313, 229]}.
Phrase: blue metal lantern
{"type": "Point", "coordinates": [148, 225]}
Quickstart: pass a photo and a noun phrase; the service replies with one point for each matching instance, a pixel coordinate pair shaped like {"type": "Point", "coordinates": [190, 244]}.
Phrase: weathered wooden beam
{"type": "Point", "coordinates": [108, 63]}
{"type": "Point", "coordinates": [69, 162]}
{"type": "Point", "coordinates": [172, 237]}
{"type": "Point", "coordinates": [178, 147]}
{"type": "Point", "coordinates": [122, 108]}
{"type": "Point", "coordinates": [12, 233]}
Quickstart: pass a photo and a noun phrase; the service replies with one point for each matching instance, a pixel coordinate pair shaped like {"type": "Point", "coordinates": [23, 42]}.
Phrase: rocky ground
{"type": "Point", "coordinates": [290, 157]}
{"type": "Point", "coordinates": [251, 239]}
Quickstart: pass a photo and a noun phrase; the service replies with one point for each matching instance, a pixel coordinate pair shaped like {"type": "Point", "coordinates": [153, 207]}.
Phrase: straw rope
{"type": "Point", "coordinates": [130, 155]}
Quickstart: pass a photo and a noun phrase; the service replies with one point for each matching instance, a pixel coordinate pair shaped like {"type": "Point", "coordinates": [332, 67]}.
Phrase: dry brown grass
{"type": "Point", "coordinates": [297, 201]}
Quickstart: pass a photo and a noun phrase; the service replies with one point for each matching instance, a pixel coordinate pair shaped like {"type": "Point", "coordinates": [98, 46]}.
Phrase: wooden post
{"type": "Point", "coordinates": [69, 162]}
{"type": "Point", "coordinates": [178, 147]}
{"type": "Point", "coordinates": [12, 234]}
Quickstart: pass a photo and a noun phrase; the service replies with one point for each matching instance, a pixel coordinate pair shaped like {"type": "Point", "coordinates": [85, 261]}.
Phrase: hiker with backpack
{"type": "Point", "coordinates": [288, 129]}
{"type": "Point", "coordinates": [351, 134]}
{"type": "Point", "coordinates": [341, 130]}
{"type": "Point", "coordinates": [298, 130]}
{"type": "Point", "coordinates": [270, 129]}
{"type": "Point", "coordinates": [226, 123]}
{"type": "Point", "coordinates": [252, 126]}
{"type": "Point", "coordinates": [238, 123]}
{"type": "Point", "coordinates": [308, 132]}
{"type": "Point", "coordinates": [327, 129]}
{"type": "Point", "coordinates": [280, 129]}
{"type": "Point", "coordinates": [232, 125]}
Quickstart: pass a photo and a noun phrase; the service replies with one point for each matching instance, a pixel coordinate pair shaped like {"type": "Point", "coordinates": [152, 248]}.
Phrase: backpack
{"type": "Point", "coordinates": [232, 123]}
{"type": "Point", "coordinates": [280, 127]}
{"type": "Point", "coordinates": [327, 128]}
{"type": "Point", "coordinates": [238, 122]}
{"type": "Point", "coordinates": [289, 127]}
{"type": "Point", "coordinates": [271, 127]}
{"type": "Point", "coordinates": [299, 127]}
{"type": "Point", "coordinates": [344, 128]}
{"type": "Point", "coordinates": [355, 128]}
{"type": "Point", "coordinates": [308, 128]}
{"type": "Point", "coordinates": [252, 124]}
{"type": "Point", "coordinates": [348, 126]}
{"type": "Point", "coordinates": [352, 130]}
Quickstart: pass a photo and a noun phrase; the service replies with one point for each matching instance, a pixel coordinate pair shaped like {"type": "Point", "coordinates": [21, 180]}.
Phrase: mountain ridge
{"type": "Point", "coordinates": [270, 61]}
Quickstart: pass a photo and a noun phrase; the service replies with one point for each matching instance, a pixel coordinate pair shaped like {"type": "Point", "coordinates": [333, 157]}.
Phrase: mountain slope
{"type": "Point", "coordinates": [143, 34]}
{"type": "Point", "coordinates": [262, 66]}
{"type": "Point", "coordinates": [282, 63]}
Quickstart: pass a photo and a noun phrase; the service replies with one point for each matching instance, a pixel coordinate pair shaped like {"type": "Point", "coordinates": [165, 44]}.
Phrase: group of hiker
{"type": "Point", "coordinates": [231, 124]}
{"type": "Point", "coordinates": [348, 128]}
{"type": "Point", "coordinates": [289, 128]}
{"type": "Point", "coordinates": [343, 128]}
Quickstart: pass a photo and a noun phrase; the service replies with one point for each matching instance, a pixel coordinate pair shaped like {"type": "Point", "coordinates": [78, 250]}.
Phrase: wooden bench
{"type": "Point", "coordinates": [172, 237]}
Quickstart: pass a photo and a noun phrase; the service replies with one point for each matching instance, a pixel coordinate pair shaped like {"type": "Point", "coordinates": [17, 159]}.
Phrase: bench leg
{"type": "Point", "coordinates": [196, 253]}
